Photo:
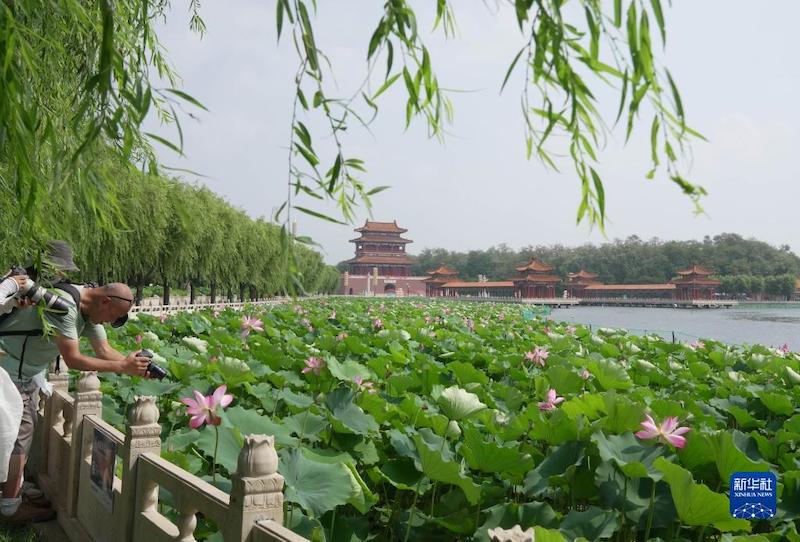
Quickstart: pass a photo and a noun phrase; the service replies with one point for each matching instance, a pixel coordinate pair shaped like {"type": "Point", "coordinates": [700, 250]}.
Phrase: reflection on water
{"type": "Point", "coordinates": [763, 316]}
{"type": "Point", "coordinates": [772, 326]}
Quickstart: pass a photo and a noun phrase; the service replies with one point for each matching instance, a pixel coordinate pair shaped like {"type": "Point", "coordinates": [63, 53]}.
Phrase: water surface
{"type": "Point", "coordinates": [772, 326]}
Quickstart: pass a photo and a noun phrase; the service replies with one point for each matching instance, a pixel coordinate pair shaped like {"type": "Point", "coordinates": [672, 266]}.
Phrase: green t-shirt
{"type": "Point", "coordinates": [41, 351]}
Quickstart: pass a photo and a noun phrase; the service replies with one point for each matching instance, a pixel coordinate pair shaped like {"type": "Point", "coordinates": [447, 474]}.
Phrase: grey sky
{"type": "Point", "coordinates": [735, 64]}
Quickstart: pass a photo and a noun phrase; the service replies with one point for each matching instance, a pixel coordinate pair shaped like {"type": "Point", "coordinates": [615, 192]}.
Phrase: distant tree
{"type": "Point", "coordinates": [741, 263]}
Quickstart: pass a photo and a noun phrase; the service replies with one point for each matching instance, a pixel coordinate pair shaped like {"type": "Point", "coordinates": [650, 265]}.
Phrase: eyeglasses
{"type": "Point", "coordinates": [119, 322]}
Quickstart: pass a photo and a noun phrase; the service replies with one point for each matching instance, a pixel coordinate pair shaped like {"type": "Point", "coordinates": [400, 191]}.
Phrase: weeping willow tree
{"type": "Point", "coordinates": [174, 234]}
{"type": "Point", "coordinates": [75, 88]}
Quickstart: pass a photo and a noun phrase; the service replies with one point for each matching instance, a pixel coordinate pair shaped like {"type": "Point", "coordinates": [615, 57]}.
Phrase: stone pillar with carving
{"type": "Point", "coordinates": [257, 491]}
{"type": "Point", "coordinates": [142, 435]}
{"type": "Point", "coordinates": [514, 534]}
{"type": "Point", "coordinates": [88, 401]}
{"type": "Point", "coordinates": [50, 418]}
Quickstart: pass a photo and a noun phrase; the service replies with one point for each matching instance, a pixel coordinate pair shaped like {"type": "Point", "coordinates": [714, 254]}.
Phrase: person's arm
{"type": "Point", "coordinates": [9, 286]}
{"type": "Point", "coordinates": [70, 351]}
{"type": "Point", "coordinates": [103, 350]}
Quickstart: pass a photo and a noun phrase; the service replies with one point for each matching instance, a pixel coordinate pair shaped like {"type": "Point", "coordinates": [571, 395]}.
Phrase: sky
{"type": "Point", "coordinates": [734, 64]}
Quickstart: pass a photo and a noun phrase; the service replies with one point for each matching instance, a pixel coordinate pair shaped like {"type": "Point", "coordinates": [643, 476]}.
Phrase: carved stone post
{"type": "Point", "coordinates": [257, 491]}
{"type": "Point", "coordinates": [514, 534]}
{"type": "Point", "coordinates": [88, 400]}
{"type": "Point", "coordinates": [142, 435]}
{"type": "Point", "coordinates": [60, 381]}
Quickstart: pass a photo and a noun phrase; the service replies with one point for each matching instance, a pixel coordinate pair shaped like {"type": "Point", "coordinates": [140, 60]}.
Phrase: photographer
{"type": "Point", "coordinates": [30, 350]}
{"type": "Point", "coordinates": [9, 287]}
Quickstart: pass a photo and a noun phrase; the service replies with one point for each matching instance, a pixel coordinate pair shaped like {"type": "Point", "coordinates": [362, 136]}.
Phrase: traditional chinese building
{"type": "Point", "coordinates": [691, 284]}
{"type": "Point", "coordinates": [381, 245]}
{"type": "Point", "coordinates": [695, 283]}
{"type": "Point", "coordinates": [625, 291]}
{"type": "Point", "coordinates": [438, 277]}
{"type": "Point", "coordinates": [535, 280]}
{"type": "Point", "coordinates": [381, 265]}
{"type": "Point", "coordinates": [577, 282]}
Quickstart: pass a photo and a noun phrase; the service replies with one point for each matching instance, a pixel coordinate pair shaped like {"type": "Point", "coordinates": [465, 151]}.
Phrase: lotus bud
{"type": "Point", "coordinates": [453, 430]}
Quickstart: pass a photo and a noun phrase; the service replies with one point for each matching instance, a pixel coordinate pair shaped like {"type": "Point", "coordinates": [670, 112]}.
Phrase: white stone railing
{"type": "Point", "coordinates": [61, 460]}
{"type": "Point", "coordinates": [186, 307]}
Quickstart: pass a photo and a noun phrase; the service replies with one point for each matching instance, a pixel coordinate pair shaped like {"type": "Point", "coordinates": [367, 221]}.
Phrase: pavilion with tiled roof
{"type": "Point", "coordinates": [535, 280]}
{"type": "Point", "coordinates": [577, 282]}
{"type": "Point", "coordinates": [436, 278]}
{"type": "Point", "coordinates": [380, 247]}
{"type": "Point", "coordinates": [695, 283]}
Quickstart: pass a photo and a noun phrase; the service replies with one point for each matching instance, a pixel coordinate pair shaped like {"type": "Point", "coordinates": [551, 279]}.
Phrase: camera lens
{"type": "Point", "coordinates": [154, 371]}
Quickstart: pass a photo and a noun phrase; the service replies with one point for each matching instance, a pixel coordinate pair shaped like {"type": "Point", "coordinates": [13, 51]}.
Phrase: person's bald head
{"type": "Point", "coordinates": [117, 289]}
{"type": "Point", "coordinates": [107, 303]}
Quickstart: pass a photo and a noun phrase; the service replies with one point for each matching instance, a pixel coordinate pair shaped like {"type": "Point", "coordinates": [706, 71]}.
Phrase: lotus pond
{"type": "Point", "coordinates": [407, 420]}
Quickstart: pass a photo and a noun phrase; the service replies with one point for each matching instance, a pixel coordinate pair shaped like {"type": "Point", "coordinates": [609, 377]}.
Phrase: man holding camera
{"type": "Point", "coordinates": [30, 349]}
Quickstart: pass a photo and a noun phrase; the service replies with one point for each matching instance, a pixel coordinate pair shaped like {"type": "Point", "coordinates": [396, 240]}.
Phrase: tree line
{"type": "Point", "coordinates": [172, 234]}
{"type": "Point", "coordinates": [634, 260]}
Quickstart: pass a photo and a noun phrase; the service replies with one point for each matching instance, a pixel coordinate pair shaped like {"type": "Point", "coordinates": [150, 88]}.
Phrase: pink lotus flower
{"type": "Point", "coordinates": [501, 316]}
{"type": "Point", "coordinates": [377, 324]}
{"type": "Point", "coordinates": [332, 315]}
{"type": "Point", "coordinates": [313, 365]}
{"type": "Point", "coordinates": [202, 409]}
{"type": "Point", "coordinates": [698, 344]}
{"type": "Point", "coordinates": [250, 324]}
{"type": "Point", "coordinates": [546, 330]}
{"type": "Point", "coordinates": [470, 324]}
{"type": "Point", "coordinates": [571, 330]}
{"type": "Point", "coordinates": [138, 339]}
{"type": "Point", "coordinates": [213, 359]}
{"type": "Point", "coordinates": [216, 313]}
{"type": "Point", "coordinates": [163, 317]}
{"type": "Point", "coordinates": [365, 385]}
{"type": "Point", "coordinates": [585, 374]}
{"type": "Point", "coordinates": [552, 400]}
{"type": "Point", "coordinates": [667, 432]}
{"type": "Point", "coordinates": [341, 336]}
{"type": "Point", "coordinates": [537, 356]}
{"type": "Point", "coordinates": [785, 348]}
{"type": "Point", "coordinates": [427, 319]}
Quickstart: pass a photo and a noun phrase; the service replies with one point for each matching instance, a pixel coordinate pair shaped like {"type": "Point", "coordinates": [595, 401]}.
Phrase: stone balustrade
{"type": "Point", "coordinates": [62, 462]}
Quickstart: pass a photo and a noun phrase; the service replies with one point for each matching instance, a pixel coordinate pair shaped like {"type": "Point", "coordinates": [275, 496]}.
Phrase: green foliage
{"type": "Point", "coordinates": [743, 265]}
{"type": "Point", "coordinates": [447, 453]}
{"type": "Point", "coordinates": [171, 234]}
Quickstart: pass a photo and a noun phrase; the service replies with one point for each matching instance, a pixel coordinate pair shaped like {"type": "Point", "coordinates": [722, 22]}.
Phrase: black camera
{"type": "Point", "coordinates": [37, 293]}
{"type": "Point", "coordinates": [153, 370]}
